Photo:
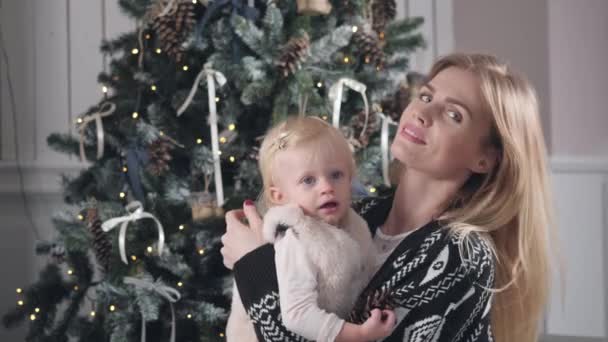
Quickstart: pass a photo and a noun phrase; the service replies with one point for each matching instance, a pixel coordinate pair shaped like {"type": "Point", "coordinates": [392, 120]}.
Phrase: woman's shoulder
{"type": "Point", "coordinates": [474, 255]}
{"type": "Point", "coordinates": [374, 210]}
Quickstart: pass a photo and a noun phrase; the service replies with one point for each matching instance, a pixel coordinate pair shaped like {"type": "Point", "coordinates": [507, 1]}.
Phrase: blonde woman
{"type": "Point", "coordinates": [463, 241]}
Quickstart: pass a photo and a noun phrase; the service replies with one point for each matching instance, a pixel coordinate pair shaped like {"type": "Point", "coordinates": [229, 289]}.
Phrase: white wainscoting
{"type": "Point", "coordinates": [581, 199]}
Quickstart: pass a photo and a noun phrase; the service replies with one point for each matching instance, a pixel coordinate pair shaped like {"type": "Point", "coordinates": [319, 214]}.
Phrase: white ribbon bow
{"type": "Point", "coordinates": [167, 292]}
{"type": "Point", "coordinates": [386, 121]}
{"type": "Point", "coordinates": [85, 120]}
{"type": "Point", "coordinates": [213, 76]}
{"type": "Point", "coordinates": [335, 95]}
{"type": "Point", "coordinates": [136, 212]}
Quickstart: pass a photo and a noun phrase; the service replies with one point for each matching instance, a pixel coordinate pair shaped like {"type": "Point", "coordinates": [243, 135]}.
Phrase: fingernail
{"type": "Point", "coordinates": [248, 202]}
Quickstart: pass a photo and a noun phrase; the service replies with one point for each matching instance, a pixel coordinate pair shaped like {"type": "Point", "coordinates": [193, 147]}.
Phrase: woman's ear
{"type": "Point", "coordinates": [276, 196]}
{"type": "Point", "coordinates": [487, 161]}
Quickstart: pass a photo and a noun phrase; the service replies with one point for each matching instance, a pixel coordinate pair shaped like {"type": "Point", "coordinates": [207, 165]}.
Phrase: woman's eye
{"type": "Point", "coordinates": [309, 180]}
{"type": "Point", "coordinates": [426, 98]}
{"type": "Point", "coordinates": [337, 174]}
{"type": "Point", "coordinates": [454, 115]}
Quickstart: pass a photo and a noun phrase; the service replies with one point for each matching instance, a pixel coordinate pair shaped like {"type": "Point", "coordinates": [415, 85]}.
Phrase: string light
{"type": "Point", "coordinates": [185, 68]}
{"type": "Point", "coordinates": [161, 133]}
{"type": "Point", "coordinates": [19, 290]}
{"type": "Point", "coordinates": [217, 99]}
{"type": "Point", "coordinates": [232, 159]}
{"type": "Point", "coordinates": [112, 308]}
{"type": "Point", "coordinates": [223, 140]}
{"type": "Point", "coordinates": [319, 84]}
{"type": "Point", "coordinates": [199, 141]}
{"type": "Point", "coordinates": [325, 117]}
{"type": "Point", "coordinates": [194, 1]}
{"type": "Point", "coordinates": [134, 257]}
{"type": "Point", "coordinates": [232, 127]}
{"type": "Point", "coordinates": [219, 153]}
{"type": "Point", "coordinates": [92, 313]}
{"type": "Point", "coordinates": [122, 195]}
{"type": "Point", "coordinates": [201, 251]}
{"type": "Point", "coordinates": [104, 89]}
{"type": "Point", "coordinates": [153, 87]}
{"type": "Point", "coordinates": [346, 59]}
{"type": "Point", "coordinates": [372, 189]}
{"type": "Point", "coordinates": [125, 169]}
{"type": "Point", "coordinates": [75, 287]}
{"type": "Point", "coordinates": [147, 36]}
{"type": "Point", "coordinates": [189, 315]}
{"type": "Point", "coordinates": [37, 310]}
{"type": "Point", "coordinates": [135, 115]}
{"type": "Point", "coordinates": [180, 284]}
{"type": "Point", "coordinates": [355, 28]}
{"type": "Point", "coordinates": [367, 59]}
{"type": "Point", "coordinates": [80, 217]}
{"type": "Point", "coordinates": [181, 227]}
{"type": "Point", "coordinates": [70, 272]}
{"type": "Point", "coordinates": [79, 120]}
{"type": "Point", "coordinates": [158, 51]}
{"type": "Point", "coordinates": [135, 51]}
{"type": "Point", "coordinates": [32, 317]}
{"type": "Point", "coordinates": [149, 249]}
{"type": "Point", "coordinates": [221, 334]}
{"type": "Point", "coordinates": [20, 303]}
{"type": "Point", "coordinates": [381, 35]}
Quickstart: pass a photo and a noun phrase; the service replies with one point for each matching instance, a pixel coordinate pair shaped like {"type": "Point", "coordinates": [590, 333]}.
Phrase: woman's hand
{"type": "Point", "coordinates": [240, 238]}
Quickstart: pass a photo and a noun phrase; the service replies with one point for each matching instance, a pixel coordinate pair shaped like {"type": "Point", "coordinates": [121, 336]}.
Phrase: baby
{"type": "Point", "coordinates": [323, 249]}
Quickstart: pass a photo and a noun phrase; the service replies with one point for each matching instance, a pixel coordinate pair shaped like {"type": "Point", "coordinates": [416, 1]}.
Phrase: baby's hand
{"type": "Point", "coordinates": [379, 324]}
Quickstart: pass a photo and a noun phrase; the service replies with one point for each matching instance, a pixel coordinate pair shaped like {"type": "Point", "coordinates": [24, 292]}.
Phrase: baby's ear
{"type": "Point", "coordinates": [276, 196]}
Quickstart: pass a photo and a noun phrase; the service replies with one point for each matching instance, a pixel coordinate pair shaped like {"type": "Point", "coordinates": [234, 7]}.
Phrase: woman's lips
{"type": "Point", "coordinates": [413, 134]}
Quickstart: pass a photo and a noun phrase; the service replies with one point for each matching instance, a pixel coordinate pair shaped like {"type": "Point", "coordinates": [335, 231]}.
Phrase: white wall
{"type": "Point", "coordinates": [578, 50]}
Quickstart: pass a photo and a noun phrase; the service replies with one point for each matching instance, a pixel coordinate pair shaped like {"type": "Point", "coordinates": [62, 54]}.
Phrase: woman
{"type": "Point", "coordinates": [464, 237]}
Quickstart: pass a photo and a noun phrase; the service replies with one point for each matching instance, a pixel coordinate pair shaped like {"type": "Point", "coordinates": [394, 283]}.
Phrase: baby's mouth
{"type": "Point", "coordinates": [329, 205]}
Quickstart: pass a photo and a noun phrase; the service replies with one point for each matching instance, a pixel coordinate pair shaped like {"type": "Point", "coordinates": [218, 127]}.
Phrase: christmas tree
{"type": "Point", "coordinates": [173, 144]}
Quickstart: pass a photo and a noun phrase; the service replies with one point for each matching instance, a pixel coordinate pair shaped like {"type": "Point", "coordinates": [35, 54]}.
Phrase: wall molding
{"type": "Point", "coordinates": [38, 178]}
{"type": "Point", "coordinates": [576, 164]}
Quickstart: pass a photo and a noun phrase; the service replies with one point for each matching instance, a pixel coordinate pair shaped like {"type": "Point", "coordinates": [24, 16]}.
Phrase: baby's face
{"type": "Point", "coordinates": [319, 183]}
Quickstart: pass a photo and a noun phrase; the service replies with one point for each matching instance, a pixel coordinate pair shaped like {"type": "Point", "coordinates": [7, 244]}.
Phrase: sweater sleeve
{"type": "Point", "coordinates": [256, 278]}
{"type": "Point", "coordinates": [297, 280]}
{"type": "Point", "coordinates": [437, 292]}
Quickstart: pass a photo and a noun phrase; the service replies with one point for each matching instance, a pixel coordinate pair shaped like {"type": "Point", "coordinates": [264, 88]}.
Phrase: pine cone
{"type": "Point", "coordinates": [383, 11]}
{"type": "Point", "coordinates": [159, 152]}
{"type": "Point", "coordinates": [294, 53]}
{"type": "Point", "coordinates": [358, 123]}
{"type": "Point", "coordinates": [174, 27]}
{"type": "Point", "coordinates": [369, 48]}
{"type": "Point", "coordinates": [101, 243]}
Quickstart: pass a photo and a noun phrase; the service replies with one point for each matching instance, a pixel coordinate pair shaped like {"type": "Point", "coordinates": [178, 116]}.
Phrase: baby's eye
{"type": "Point", "coordinates": [426, 98]}
{"type": "Point", "coordinates": [308, 180]}
{"type": "Point", "coordinates": [454, 115]}
{"type": "Point", "coordinates": [337, 175]}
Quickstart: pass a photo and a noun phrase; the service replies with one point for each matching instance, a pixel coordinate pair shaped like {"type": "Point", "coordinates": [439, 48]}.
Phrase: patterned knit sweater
{"type": "Point", "coordinates": [438, 292]}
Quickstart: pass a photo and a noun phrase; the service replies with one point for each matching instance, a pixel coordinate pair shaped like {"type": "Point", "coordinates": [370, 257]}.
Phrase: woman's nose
{"type": "Point", "coordinates": [424, 116]}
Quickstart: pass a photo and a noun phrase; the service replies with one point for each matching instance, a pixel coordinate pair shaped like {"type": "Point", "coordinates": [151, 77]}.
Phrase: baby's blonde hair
{"type": "Point", "coordinates": [297, 131]}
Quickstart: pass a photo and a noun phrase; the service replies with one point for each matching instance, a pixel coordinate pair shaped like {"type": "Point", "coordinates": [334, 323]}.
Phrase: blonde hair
{"type": "Point", "coordinates": [511, 205]}
{"type": "Point", "coordinates": [296, 131]}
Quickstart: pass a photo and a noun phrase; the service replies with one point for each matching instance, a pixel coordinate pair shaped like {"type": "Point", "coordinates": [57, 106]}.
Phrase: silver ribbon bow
{"type": "Point", "coordinates": [85, 120]}
{"type": "Point", "coordinates": [136, 212]}
{"type": "Point", "coordinates": [386, 121]}
{"type": "Point", "coordinates": [335, 95]}
{"type": "Point", "coordinates": [213, 76]}
{"type": "Point", "coordinates": [167, 292]}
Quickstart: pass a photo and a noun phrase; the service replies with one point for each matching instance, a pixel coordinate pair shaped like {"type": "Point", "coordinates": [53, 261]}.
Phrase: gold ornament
{"type": "Point", "coordinates": [314, 7]}
{"type": "Point", "coordinates": [204, 206]}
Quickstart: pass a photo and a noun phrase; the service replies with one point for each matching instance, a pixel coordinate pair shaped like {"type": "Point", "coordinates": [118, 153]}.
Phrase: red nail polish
{"type": "Point", "coordinates": [248, 202]}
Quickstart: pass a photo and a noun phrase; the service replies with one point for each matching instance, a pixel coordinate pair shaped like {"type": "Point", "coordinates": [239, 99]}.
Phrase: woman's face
{"type": "Point", "coordinates": [441, 131]}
